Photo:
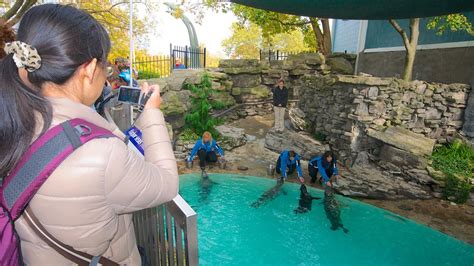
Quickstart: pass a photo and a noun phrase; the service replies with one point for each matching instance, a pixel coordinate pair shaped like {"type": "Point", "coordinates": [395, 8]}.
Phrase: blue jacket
{"type": "Point", "coordinates": [285, 161]}
{"type": "Point", "coordinates": [318, 162]}
{"type": "Point", "coordinates": [208, 146]}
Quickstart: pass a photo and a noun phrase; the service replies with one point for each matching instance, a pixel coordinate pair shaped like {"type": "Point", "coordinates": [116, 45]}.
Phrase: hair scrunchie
{"type": "Point", "coordinates": [24, 55]}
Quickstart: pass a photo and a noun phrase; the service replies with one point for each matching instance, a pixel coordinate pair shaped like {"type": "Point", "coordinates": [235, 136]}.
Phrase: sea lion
{"type": "Point", "coordinates": [333, 212]}
{"type": "Point", "coordinates": [306, 200]}
{"type": "Point", "coordinates": [269, 194]}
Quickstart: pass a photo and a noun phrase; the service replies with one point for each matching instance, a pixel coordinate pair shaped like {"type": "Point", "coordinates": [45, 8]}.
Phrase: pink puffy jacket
{"type": "Point", "coordinates": [88, 201]}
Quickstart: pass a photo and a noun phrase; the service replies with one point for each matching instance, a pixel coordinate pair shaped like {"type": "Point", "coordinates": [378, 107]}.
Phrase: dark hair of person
{"type": "Point", "coordinates": [65, 38]}
{"type": "Point", "coordinates": [326, 155]}
{"type": "Point", "coordinates": [292, 153]}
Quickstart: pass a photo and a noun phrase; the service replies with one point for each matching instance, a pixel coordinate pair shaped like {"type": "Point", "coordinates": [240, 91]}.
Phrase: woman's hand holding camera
{"type": "Point", "coordinates": [155, 99]}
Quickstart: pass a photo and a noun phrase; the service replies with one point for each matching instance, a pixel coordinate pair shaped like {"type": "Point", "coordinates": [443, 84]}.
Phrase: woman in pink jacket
{"type": "Point", "coordinates": [54, 72]}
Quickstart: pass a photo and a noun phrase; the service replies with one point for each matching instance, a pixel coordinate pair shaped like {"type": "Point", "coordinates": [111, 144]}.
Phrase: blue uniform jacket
{"type": "Point", "coordinates": [285, 161]}
{"type": "Point", "coordinates": [208, 146]}
{"type": "Point", "coordinates": [318, 162]}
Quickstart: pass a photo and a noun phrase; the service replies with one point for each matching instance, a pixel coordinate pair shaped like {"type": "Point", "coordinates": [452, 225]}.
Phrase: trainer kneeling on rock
{"type": "Point", "coordinates": [206, 148]}
{"type": "Point", "coordinates": [286, 164]}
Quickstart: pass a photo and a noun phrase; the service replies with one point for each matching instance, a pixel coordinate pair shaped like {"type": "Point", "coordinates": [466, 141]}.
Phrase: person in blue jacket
{"type": "Point", "coordinates": [286, 164]}
{"type": "Point", "coordinates": [207, 149]}
{"type": "Point", "coordinates": [326, 166]}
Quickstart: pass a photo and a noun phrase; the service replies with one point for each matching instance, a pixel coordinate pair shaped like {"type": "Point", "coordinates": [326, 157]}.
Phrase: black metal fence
{"type": "Point", "coordinates": [152, 66]}
{"type": "Point", "coordinates": [275, 55]}
{"type": "Point", "coordinates": [180, 57]}
{"type": "Point", "coordinates": [187, 57]}
{"type": "Point", "coordinates": [272, 55]}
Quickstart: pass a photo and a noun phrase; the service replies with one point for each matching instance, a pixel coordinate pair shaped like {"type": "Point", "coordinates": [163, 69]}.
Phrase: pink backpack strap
{"type": "Point", "coordinates": [42, 158]}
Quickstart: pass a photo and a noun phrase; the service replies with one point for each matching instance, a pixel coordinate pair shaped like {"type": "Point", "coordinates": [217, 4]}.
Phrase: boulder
{"type": "Point", "coordinates": [297, 119]}
{"type": "Point", "coordinates": [242, 70]}
{"type": "Point", "coordinates": [301, 143]}
{"type": "Point", "coordinates": [369, 181]}
{"type": "Point", "coordinates": [261, 91]}
{"type": "Point", "coordinates": [174, 105]}
{"type": "Point", "coordinates": [246, 80]}
{"type": "Point", "coordinates": [405, 140]}
{"type": "Point", "coordinates": [231, 137]}
{"type": "Point", "coordinates": [468, 127]}
{"type": "Point", "coordinates": [363, 80]}
{"type": "Point", "coordinates": [402, 158]}
{"type": "Point", "coordinates": [222, 98]}
{"type": "Point", "coordinates": [307, 58]}
{"type": "Point", "coordinates": [229, 63]}
{"type": "Point", "coordinates": [340, 65]}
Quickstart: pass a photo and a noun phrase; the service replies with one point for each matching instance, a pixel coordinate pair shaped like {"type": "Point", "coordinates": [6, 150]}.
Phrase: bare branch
{"type": "Point", "coordinates": [27, 5]}
{"type": "Point", "coordinates": [12, 11]}
{"type": "Point", "coordinates": [399, 29]}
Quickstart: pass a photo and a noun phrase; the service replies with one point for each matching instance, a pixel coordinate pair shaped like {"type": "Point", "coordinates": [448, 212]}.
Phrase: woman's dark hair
{"type": "Point", "coordinates": [326, 155]}
{"type": "Point", "coordinates": [65, 38]}
{"type": "Point", "coordinates": [292, 153]}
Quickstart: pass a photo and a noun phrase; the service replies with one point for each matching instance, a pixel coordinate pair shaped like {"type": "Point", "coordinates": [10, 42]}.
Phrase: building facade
{"type": "Point", "coordinates": [446, 58]}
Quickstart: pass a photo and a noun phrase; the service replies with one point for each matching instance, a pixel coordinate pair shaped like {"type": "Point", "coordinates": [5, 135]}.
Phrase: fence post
{"type": "Point", "coordinates": [186, 57]}
{"type": "Point", "coordinates": [269, 55]}
{"type": "Point", "coordinates": [205, 55]}
{"type": "Point", "coordinates": [171, 58]}
{"type": "Point", "coordinates": [278, 55]}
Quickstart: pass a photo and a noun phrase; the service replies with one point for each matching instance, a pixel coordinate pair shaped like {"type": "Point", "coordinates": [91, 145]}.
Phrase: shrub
{"type": "Point", "coordinates": [456, 160]}
{"type": "Point", "coordinates": [188, 135]}
{"type": "Point", "coordinates": [199, 119]}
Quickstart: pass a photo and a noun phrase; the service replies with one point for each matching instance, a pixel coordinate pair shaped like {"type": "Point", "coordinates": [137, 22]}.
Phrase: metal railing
{"type": "Point", "coordinates": [167, 233]}
{"type": "Point", "coordinates": [272, 55]}
{"type": "Point", "coordinates": [190, 57]}
{"type": "Point", "coordinates": [153, 66]}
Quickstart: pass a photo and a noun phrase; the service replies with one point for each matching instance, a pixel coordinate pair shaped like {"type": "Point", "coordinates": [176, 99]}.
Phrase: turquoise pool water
{"type": "Point", "coordinates": [231, 232]}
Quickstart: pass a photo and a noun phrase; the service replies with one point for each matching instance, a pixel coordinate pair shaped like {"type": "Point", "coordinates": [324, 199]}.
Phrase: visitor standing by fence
{"type": "Point", "coordinates": [280, 100]}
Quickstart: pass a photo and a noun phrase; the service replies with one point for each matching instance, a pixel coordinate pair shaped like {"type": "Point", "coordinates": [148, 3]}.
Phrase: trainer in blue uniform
{"type": "Point", "coordinates": [286, 164]}
{"type": "Point", "coordinates": [324, 164]}
{"type": "Point", "coordinates": [206, 149]}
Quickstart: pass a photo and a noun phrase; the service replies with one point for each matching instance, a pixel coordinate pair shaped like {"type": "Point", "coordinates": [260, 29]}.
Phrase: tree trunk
{"type": "Point", "coordinates": [410, 44]}
{"type": "Point", "coordinates": [323, 37]}
{"type": "Point", "coordinates": [327, 36]}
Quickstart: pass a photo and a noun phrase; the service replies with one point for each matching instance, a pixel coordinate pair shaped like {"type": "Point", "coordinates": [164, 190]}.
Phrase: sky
{"type": "Point", "coordinates": [214, 29]}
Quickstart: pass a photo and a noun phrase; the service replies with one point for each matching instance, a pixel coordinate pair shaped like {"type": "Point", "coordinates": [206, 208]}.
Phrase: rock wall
{"type": "Point", "coordinates": [345, 107]}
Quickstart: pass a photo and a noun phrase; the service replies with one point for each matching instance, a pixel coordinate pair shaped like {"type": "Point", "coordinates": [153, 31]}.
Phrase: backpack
{"type": "Point", "coordinates": [25, 179]}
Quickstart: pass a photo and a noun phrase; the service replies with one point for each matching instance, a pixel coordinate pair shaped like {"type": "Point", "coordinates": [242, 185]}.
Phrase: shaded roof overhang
{"type": "Point", "coordinates": [363, 9]}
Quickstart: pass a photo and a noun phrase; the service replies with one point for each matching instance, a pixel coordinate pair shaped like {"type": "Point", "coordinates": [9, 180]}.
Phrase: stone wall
{"type": "Point", "coordinates": [345, 107]}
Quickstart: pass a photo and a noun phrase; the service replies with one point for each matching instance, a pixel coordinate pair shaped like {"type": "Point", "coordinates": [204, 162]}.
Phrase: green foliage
{"type": "Point", "coordinates": [188, 135]}
{"type": "Point", "coordinates": [457, 189]}
{"type": "Point", "coordinates": [244, 43]}
{"type": "Point", "coordinates": [148, 75]}
{"type": "Point", "coordinates": [320, 136]}
{"type": "Point", "coordinates": [456, 160]}
{"type": "Point", "coordinates": [453, 22]}
{"type": "Point", "coordinates": [247, 39]}
{"type": "Point", "coordinates": [199, 119]}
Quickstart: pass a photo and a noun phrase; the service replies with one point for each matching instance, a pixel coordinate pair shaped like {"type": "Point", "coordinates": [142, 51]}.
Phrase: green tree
{"type": "Point", "coordinates": [245, 41]}
{"type": "Point", "coordinates": [453, 22]}
{"type": "Point", "coordinates": [316, 31]}
{"type": "Point", "coordinates": [199, 119]}
{"type": "Point", "coordinates": [273, 23]}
